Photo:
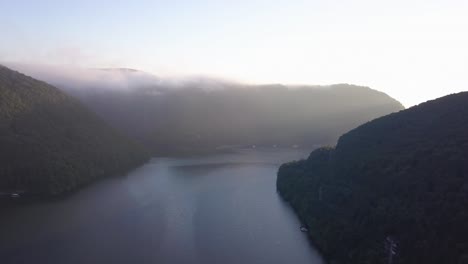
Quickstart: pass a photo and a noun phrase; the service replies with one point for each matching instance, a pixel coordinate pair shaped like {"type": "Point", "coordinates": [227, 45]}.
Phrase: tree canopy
{"type": "Point", "coordinates": [402, 176]}
{"type": "Point", "coordinates": [50, 143]}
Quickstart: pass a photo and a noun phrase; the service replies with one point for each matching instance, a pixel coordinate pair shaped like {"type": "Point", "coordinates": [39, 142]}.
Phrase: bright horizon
{"type": "Point", "coordinates": [412, 50]}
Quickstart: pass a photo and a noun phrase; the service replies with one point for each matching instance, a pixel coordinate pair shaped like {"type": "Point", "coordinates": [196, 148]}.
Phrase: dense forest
{"type": "Point", "coordinates": [192, 116]}
{"type": "Point", "coordinates": [396, 184]}
{"type": "Point", "coordinates": [50, 143]}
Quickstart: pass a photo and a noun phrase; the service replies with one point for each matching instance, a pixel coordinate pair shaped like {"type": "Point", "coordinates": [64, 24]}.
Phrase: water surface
{"type": "Point", "coordinates": [215, 209]}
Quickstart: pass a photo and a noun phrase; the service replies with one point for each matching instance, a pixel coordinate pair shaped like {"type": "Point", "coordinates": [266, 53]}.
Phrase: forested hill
{"type": "Point", "coordinates": [199, 115]}
{"type": "Point", "coordinates": [400, 178]}
{"type": "Point", "coordinates": [194, 119]}
{"type": "Point", "coordinates": [50, 143]}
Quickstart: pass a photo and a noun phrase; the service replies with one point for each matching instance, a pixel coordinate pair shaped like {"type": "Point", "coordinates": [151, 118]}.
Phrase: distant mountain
{"type": "Point", "coordinates": [199, 115]}
{"type": "Point", "coordinates": [259, 115]}
{"type": "Point", "coordinates": [50, 143]}
{"type": "Point", "coordinates": [401, 179]}
{"type": "Point", "coordinates": [193, 119]}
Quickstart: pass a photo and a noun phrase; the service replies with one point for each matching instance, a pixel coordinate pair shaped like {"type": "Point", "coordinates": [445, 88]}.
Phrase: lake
{"type": "Point", "coordinates": [212, 209]}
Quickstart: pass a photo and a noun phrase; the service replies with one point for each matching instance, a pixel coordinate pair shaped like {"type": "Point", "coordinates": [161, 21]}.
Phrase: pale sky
{"type": "Point", "coordinates": [412, 50]}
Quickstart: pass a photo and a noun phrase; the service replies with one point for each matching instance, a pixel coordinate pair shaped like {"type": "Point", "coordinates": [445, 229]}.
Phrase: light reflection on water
{"type": "Point", "coordinates": [217, 209]}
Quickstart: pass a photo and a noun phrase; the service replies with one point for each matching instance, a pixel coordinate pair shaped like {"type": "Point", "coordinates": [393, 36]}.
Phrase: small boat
{"type": "Point", "coordinates": [304, 229]}
{"type": "Point", "coordinates": [14, 195]}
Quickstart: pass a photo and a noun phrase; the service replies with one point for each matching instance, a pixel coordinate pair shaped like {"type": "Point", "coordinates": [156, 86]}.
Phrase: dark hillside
{"type": "Point", "coordinates": [402, 176]}
{"type": "Point", "coordinates": [50, 143]}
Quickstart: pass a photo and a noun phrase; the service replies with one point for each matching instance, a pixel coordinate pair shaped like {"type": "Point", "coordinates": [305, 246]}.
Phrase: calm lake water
{"type": "Point", "coordinates": [216, 209]}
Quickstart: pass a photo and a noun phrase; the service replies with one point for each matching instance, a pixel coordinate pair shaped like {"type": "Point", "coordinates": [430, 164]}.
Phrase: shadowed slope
{"type": "Point", "coordinates": [50, 143]}
{"type": "Point", "coordinates": [402, 176]}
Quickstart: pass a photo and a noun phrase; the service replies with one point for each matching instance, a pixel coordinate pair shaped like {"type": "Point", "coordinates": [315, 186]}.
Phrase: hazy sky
{"type": "Point", "coordinates": [412, 50]}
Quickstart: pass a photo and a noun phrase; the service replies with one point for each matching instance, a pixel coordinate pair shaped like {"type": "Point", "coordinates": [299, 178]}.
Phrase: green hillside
{"type": "Point", "coordinates": [50, 143]}
{"type": "Point", "coordinates": [403, 177]}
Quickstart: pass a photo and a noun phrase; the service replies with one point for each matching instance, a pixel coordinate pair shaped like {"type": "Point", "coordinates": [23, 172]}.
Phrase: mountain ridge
{"type": "Point", "coordinates": [401, 176]}
{"type": "Point", "coordinates": [192, 116]}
